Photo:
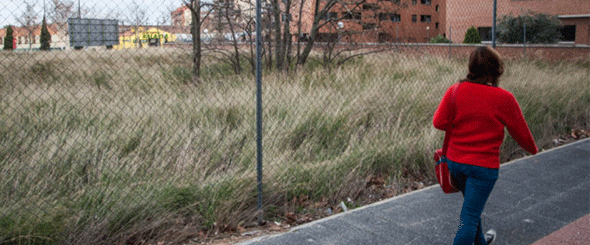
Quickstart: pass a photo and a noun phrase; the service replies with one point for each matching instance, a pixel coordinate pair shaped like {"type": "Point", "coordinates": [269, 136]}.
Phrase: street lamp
{"type": "Point", "coordinates": [428, 33]}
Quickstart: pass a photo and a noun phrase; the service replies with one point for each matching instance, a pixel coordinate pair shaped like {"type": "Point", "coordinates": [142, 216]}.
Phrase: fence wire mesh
{"type": "Point", "coordinates": [138, 125]}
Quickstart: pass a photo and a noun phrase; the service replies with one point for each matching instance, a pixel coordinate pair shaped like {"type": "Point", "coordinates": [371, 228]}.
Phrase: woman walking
{"type": "Point", "coordinates": [474, 112]}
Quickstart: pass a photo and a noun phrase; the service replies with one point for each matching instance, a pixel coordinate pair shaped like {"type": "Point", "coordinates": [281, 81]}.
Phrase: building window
{"type": "Point", "coordinates": [414, 18]}
{"type": "Point", "coordinates": [414, 2]}
{"type": "Point", "coordinates": [437, 8]}
{"type": "Point", "coordinates": [485, 33]}
{"type": "Point", "coordinates": [333, 15]}
{"type": "Point", "coordinates": [568, 33]}
{"type": "Point", "coordinates": [351, 15]}
{"type": "Point", "coordinates": [370, 6]}
{"type": "Point", "coordinates": [368, 26]}
{"type": "Point", "coordinates": [426, 2]}
{"type": "Point", "coordinates": [347, 15]}
{"type": "Point", "coordinates": [425, 18]}
{"type": "Point", "coordinates": [286, 18]}
{"type": "Point", "coordinates": [389, 17]}
{"type": "Point", "coordinates": [436, 25]}
{"type": "Point", "coordinates": [330, 16]}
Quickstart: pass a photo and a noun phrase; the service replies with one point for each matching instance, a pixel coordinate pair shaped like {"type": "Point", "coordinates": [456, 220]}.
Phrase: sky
{"type": "Point", "coordinates": [11, 10]}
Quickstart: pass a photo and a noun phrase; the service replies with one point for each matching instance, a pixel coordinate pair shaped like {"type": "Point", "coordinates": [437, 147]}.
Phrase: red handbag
{"type": "Point", "coordinates": [445, 178]}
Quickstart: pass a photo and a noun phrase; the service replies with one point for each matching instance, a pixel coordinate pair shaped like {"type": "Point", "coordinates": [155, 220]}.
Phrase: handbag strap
{"type": "Point", "coordinates": [448, 132]}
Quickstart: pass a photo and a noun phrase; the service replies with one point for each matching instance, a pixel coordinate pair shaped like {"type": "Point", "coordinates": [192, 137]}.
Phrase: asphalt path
{"type": "Point", "coordinates": [535, 197]}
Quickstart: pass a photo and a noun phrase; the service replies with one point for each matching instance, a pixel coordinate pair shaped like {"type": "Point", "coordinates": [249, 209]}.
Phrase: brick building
{"type": "Point", "coordinates": [182, 20]}
{"type": "Point", "coordinates": [420, 20]}
{"type": "Point", "coordinates": [462, 14]}
{"type": "Point", "coordinates": [181, 17]}
{"type": "Point", "coordinates": [375, 20]}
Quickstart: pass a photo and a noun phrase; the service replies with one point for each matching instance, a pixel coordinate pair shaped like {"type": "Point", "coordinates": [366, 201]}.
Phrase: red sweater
{"type": "Point", "coordinates": [477, 127]}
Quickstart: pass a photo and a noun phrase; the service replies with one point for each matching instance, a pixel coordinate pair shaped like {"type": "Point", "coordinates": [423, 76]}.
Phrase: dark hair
{"type": "Point", "coordinates": [485, 66]}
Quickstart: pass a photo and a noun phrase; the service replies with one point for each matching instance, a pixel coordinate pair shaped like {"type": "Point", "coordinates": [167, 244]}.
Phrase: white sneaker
{"type": "Point", "coordinates": [490, 237]}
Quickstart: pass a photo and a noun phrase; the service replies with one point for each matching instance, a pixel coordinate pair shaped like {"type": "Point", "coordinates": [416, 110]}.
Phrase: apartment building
{"type": "Point", "coordinates": [416, 21]}
{"type": "Point", "coordinates": [371, 21]}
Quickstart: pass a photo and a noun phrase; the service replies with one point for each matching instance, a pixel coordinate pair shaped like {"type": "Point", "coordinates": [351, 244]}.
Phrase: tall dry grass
{"type": "Point", "coordinates": [121, 147]}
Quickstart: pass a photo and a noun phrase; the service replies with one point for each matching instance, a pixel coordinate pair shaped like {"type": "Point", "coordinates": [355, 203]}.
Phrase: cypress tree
{"type": "Point", "coordinates": [472, 36]}
{"type": "Point", "coordinates": [45, 36]}
{"type": "Point", "coordinates": [8, 38]}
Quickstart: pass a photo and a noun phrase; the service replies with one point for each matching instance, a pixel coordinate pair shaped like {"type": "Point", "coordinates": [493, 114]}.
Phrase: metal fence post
{"type": "Point", "coordinates": [524, 35]}
{"type": "Point", "coordinates": [450, 39]}
{"type": "Point", "coordinates": [494, 25]}
{"type": "Point", "coordinates": [259, 110]}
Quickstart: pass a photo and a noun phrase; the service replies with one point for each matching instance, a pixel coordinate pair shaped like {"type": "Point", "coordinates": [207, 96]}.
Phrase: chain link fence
{"type": "Point", "coordinates": [151, 136]}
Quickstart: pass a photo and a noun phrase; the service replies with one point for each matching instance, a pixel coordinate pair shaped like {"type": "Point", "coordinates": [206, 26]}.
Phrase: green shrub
{"type": "Point", "coordinates": [472, 36]}
{"type": "Point", "coordinates": [540, 28]}
{"type": "Point", "coordinates": [440, 39]}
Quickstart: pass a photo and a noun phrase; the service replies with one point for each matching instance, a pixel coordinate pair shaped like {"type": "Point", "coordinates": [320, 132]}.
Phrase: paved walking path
{"type": "Point", "coordinates": [542, 199]}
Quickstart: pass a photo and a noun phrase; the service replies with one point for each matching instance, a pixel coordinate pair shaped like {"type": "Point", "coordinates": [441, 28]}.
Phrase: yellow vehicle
{"type": "Point", "coordinates": [142, 38]}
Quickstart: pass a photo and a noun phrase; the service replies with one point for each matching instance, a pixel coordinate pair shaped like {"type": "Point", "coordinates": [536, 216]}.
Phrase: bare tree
{"type": "Point", "coordinates": [320, 15]}
{"type": "Point", "coordinates": [164, 18]}
{"type": "Point", "coordinates": [231, 24]}
{"type": "Point", "coordinates": [273, 34]}
{"type": "Point", "coordinates": [59, 12]}
{"type": "Point", "coordinates": [278, 25]}
{"type": "Point", "coordinates": [195, 7]}
{"type": "Point", "coordinates": [347, 48]}
{"type": "Point", "coordinates": [113, 14]}
{"type": "Point", "coordinates": [97, 12]}
{"type": "Point", "coordinates": [138, 18]}
{"type": "Point", "coordinates": [278, 20]}
{"type": "Point", "coordinates": [244, 20]}
{"type": "Point", "coordinates": [299, 25]}
{"type": "Point", "coordinates": [29, 20]}
{"type": "Point", "coordinates": [353, 9]}
{"type": "Point", "coordinates": [281, 13]}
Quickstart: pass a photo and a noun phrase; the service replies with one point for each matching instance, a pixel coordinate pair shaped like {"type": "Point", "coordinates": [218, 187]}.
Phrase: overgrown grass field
{"type": "Point", "coordinates": [121, 147]}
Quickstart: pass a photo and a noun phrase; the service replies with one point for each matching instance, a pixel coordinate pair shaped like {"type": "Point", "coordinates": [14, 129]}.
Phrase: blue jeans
{"type": "Point", "coordinates": [476, 184]}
